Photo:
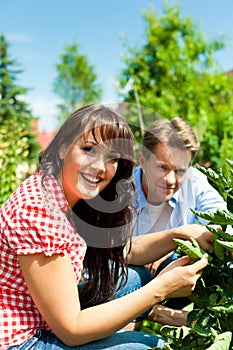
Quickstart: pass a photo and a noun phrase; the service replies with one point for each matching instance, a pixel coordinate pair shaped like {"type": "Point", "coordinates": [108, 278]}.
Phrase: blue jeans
{"type": "Point", "coordinates": [138, 276]}
{"type": "Point", "coordinates": [122, 340]}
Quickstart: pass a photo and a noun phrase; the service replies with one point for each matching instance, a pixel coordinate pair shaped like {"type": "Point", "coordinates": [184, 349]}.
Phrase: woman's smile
{"type": "Point", "coordinates": [91, 180]}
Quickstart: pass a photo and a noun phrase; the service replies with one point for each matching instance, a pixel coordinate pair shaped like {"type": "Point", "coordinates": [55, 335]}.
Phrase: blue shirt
{"type": "Point", "coordinates": [195, 192]}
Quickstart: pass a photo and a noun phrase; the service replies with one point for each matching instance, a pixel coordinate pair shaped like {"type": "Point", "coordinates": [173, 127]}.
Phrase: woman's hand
{"type": "Point", "coordinates": [179, 278]}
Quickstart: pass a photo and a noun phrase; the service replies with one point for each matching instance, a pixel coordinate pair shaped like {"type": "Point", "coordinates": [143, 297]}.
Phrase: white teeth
{"type": "Point", "coordinates": [91, 179]}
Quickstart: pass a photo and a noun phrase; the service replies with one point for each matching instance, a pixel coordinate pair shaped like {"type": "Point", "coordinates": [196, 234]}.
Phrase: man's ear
{"type": "Point", "coordinates": [62, 151]}
{"type": "Point", "coordinates": [141, 159]}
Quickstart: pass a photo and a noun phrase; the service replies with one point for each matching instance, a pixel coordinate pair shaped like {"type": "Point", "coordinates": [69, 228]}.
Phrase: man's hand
{"type": "Point", "coordinates": [202, 235]}
{"type": "Point", "coordinates": [153, 267]}
{"type": "Point", "coordinates": [167, 316]}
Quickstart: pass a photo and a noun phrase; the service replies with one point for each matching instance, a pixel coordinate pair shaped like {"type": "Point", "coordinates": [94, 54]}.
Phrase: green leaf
{"type": "Point", "coordinates": [218, 216]}
{"type": "Point", "coordinates": [192, 249]}
{"type": "Point", "coordinates": [227, 245]}
{"type": "Point", "coordinates": [223, 309]}
{"type": "Point", "coordinates": [218, 250]}
{"type": "Point", "coordinates": [221, 342]}
{"type": "Point", "coordinates": [229, 162]}
{"type": "Point", "coordinates": [177, 332]}
{"type": "Point", "coordinates": [219, 234]}
{"type": "Point", "coordinates": [215, 177]}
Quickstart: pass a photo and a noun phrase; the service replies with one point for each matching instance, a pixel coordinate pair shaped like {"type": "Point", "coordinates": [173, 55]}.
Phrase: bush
{"type": "Point", "coordinates": [210, 323]}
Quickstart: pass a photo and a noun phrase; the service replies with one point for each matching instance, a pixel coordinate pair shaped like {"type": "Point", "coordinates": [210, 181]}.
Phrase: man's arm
{"type": "Point", "coordinates": [150, 247]}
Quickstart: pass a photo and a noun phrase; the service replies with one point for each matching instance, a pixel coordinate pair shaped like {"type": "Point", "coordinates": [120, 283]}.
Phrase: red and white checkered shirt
{"type": "Point", "coordinates": [33, 220]}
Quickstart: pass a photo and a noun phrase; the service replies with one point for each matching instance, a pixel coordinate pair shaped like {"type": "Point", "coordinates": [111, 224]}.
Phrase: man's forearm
{"type": "Point", "coordinates": [150, 247]}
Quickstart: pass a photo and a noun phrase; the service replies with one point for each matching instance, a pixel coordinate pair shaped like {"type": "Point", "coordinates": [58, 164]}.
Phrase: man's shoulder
{"type": "Point", "coordinates": [137, 174]}
{"type": "Point", "coordinates": [198, 183]}
{"type": "Point", "coordinates": [139, 197]}
{"type": "Point", "coordinates": [137, 171]}
{"type": "Point", "coordinates": [193, 184]}
{"type": "Point", "coordinates": [195, 175]}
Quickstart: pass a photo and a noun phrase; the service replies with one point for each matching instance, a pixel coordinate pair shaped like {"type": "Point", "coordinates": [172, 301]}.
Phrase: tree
{"type": "Point", "coordinates": [174, 73]}
{"type": "Point", "coordinates": [76, 82]}
{"type": "Point", "coordinates": [18, 146]}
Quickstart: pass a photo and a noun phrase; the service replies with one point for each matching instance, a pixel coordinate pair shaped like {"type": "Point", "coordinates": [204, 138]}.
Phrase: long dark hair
{"type": "Point", "coordinates": [105, 222]}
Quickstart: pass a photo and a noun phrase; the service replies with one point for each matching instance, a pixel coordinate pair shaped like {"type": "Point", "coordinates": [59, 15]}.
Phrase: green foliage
{"type": "Point", "coordinates": [151, 327]}
{"type": "Point", "coordinates": [221, 178]}
{"type": "Point", "coordinates": [191, 249]}
{"type": "Point", "coordinates": [14, 149]}
{"type": "Point", "coordinates": [174, 73]}
{"type": "Point", "coordinates": [76, 81]}
{"type": "Point", "coordinates": [18, 147]}
{"type": "Point", "coordinates": [210, 323]}
{"type": "Point", "coordinates": [218, 216]}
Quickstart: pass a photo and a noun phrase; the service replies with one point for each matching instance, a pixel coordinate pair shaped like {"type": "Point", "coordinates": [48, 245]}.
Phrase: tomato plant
{"type": "Point", "coordinates": [210, 322]}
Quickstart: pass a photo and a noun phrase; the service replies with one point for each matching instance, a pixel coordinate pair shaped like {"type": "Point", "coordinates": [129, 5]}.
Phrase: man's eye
{"type": "Point", "coordinates": [163, 167]}
{"type": "Point", "coordinates": [180, 172]}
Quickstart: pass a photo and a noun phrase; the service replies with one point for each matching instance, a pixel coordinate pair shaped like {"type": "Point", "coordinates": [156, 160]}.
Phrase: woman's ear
{"type": "Point", "coordinates": [62, 151]}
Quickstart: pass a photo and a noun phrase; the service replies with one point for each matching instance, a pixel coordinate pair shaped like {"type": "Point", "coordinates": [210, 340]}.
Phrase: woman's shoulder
{"type": "Point", "coordinates": [28, 192]}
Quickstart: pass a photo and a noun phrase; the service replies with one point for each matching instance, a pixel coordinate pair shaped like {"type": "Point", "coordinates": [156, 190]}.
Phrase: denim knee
{"type": "Point", "coordinates": [138, 276]}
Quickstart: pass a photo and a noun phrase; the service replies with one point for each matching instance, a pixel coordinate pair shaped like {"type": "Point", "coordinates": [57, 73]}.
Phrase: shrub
{"type": "Point", "coordinates": [210, 322]}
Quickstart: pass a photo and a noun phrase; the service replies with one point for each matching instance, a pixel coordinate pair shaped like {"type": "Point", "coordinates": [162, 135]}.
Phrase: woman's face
{"type": "Point", "coordinates": [88, 168]}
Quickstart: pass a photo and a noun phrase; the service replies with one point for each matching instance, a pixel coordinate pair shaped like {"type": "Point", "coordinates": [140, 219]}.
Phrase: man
{"type": "Point", "coordinates": [167, 186]}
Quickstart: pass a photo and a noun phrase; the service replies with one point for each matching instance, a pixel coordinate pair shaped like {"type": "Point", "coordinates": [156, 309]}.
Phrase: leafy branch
{"type": "Point", "coordinates": [210, 322]}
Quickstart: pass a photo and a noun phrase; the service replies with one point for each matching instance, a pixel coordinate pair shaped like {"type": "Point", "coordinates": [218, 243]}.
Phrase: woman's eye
{"type": "Point", "coordinates": [88, 149]}
{"type": "Point", "coordinates": [113, 158]}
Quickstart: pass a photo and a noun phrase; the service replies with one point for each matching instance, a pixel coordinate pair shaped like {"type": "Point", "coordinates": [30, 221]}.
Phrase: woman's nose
{"type": "Point", "coordinates": [99, 163]}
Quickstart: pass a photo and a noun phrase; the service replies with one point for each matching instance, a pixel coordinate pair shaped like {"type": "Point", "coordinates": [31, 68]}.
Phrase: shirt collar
{"type": "Point", "coordinates": [174, 199]}
{"type": "Point", "coordinates": [139, 196]}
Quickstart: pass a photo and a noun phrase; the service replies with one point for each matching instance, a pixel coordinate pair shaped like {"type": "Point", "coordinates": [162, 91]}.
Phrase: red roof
{"type": "Point", "coordinates": [43, 137]}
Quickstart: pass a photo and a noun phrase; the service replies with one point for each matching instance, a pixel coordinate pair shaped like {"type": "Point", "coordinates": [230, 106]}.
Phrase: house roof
{"type": "Point", "coordinates": [44, 138]}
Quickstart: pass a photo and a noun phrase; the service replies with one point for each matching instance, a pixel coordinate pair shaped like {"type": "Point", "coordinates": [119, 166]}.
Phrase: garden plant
{"type": "Point", "coordinates": [210, 320]}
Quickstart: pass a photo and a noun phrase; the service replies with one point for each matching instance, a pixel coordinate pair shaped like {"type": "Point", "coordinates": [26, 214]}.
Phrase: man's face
{"type": "Point", "coordinates": [163, 172]}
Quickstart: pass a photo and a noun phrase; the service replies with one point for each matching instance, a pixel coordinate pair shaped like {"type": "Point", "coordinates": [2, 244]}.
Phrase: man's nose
{"type": "Point", "coordinates": [171, 177]}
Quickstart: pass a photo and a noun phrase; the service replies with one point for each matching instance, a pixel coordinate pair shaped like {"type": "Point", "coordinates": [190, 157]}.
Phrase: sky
{"type": "Point", "coordinates": [38, 30]}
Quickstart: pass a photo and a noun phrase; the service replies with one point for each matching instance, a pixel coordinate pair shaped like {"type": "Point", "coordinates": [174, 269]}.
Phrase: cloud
{"type": "Point", "coordinates": [109, 88]}
{"type": "Point", "coordinates": [44, 108]}
{"type": "Point", "coordinates": [19, 38]}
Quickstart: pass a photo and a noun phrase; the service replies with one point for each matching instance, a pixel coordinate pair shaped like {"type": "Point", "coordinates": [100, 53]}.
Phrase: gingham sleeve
{"type": "Point", "coordinates": [35, 223]}
{"type": "Point", "coordinates": [39, 230]}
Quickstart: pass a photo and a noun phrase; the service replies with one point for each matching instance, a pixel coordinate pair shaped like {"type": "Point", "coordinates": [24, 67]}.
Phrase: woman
{"type": "Point", "coordinates": [43, 245]}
